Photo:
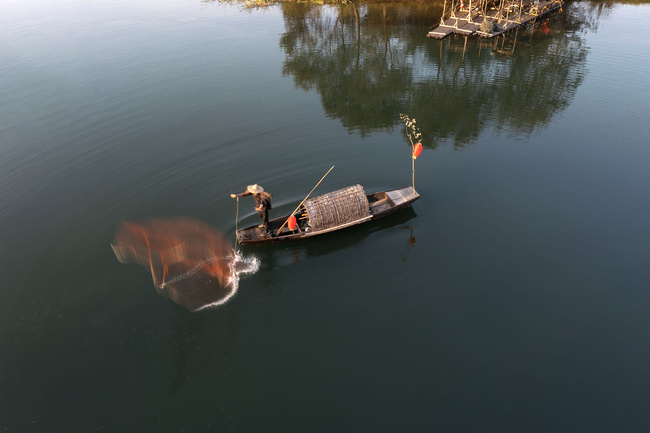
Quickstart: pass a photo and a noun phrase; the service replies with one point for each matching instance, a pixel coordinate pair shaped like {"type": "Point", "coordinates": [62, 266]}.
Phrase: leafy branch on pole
{"type": "Point", "coordinates": [414, 135]}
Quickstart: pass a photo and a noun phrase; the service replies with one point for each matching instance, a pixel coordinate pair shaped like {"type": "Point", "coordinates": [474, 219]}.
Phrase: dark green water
{"type": "Point", "coordinates": [512, 297]}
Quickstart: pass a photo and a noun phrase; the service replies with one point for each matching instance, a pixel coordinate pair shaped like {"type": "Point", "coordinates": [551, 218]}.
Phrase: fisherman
{"type": "Point", "coordinates": [262, 204]}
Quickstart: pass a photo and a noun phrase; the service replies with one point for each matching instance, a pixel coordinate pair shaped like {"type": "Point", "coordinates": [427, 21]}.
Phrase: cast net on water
{"type": "Point", "coordinates": [190, 262]}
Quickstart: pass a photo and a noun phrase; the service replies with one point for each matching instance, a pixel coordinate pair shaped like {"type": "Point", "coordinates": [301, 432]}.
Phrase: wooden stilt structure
{"type": "Point", "coordinates": [469, 22]}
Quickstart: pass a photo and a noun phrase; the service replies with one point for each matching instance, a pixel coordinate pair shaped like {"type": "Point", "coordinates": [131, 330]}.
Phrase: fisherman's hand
{"type": "Point", "coordinates": [259, 209]}
{"type": "Point", "coordinates": [232, 196]}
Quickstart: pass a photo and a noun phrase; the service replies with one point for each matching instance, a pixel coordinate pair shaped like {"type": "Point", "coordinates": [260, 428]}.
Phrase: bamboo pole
{"type": "Point", "coordinates": [305, 199]}
{"type": "Point", "coordinates": [236, 223]}
{"type": "Point", "coordinates": [413, 172]}
{"type": "Point", "coordinates": [413, 161]}
{"type": "Point", "coordinates": [444, 8]}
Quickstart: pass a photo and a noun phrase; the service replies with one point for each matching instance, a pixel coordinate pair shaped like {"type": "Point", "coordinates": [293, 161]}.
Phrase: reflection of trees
{"type": "Point", "coordinates": [585, 15]}
{"type": "Point", "coordinates": [347, 55]}
{"type": "Point", "coordinates": [519, 92]}
{"type": "Point", "coordinates": [371, 62]}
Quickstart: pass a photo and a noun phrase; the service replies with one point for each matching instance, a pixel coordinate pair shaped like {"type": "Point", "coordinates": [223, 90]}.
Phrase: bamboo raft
{"type": "Point", "coordinates": [499, 16]}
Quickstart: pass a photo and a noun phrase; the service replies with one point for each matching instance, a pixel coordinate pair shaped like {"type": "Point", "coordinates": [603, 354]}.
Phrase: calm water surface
{"type": "Point", "coordinates": [512, 297]}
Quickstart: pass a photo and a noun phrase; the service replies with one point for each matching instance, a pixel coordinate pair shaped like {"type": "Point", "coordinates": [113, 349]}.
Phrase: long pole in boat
{"type": "Point", "coordinates": [305, 199]}
{"type": "Point", "coordinates": [413, 172]}
{"type": "Point", "coordinates": [236, 223]}
{"type": "Point", "coordinates": [413, 156]}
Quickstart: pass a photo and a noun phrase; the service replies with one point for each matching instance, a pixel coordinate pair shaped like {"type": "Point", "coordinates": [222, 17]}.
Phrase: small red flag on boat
{"type": "Point", "coordinates": [417, 150]}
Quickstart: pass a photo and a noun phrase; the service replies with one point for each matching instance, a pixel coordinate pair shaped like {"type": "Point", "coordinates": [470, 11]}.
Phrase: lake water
{"type": "Point", "coordinates": [513, 296]}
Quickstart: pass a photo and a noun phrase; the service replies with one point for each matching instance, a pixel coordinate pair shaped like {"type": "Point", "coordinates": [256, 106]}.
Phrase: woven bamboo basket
{"type": "Point", "coordinates": [336, 208]}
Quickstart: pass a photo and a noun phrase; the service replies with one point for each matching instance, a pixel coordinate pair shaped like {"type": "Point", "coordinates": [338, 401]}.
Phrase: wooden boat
{"type": "Point", "coordinates": [330, 212]}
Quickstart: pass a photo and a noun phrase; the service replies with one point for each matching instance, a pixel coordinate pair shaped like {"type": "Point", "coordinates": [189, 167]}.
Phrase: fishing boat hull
{"type": "Point", "coordinates": [331, 212]}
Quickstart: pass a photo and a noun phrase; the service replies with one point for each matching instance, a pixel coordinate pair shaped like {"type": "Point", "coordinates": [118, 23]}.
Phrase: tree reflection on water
{"type": "Point", "coordinates": [371, 62]}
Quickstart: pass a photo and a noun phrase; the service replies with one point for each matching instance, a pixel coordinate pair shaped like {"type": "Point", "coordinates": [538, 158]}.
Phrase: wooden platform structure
{"type": "Point", "coordinates": [489, 18]}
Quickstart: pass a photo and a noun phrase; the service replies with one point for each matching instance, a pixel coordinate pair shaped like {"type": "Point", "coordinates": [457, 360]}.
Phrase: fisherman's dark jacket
{"type": "Point", "coordinates": [262, 200]}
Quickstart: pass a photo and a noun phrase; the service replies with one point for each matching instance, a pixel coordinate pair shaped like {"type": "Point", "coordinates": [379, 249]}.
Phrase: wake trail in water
{"type": "Point", "coordinates": [241, 266]}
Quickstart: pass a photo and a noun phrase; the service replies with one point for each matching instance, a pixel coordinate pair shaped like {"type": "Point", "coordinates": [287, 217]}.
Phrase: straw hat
{"type": "Point", "coordinates": [254, 189]}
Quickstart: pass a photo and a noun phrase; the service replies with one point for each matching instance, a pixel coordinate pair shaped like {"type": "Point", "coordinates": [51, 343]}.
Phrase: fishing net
{"type": "Point", "coordinates": [190, 262]}
{"type": "Point", "coordinates": [488, 26]}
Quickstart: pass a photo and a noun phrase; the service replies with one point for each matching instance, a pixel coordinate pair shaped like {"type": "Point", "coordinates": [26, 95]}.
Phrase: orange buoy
{"type": "Point", "coordinates": [292, 222]}
{"type": "Point", "coordinates": [417, 150]}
